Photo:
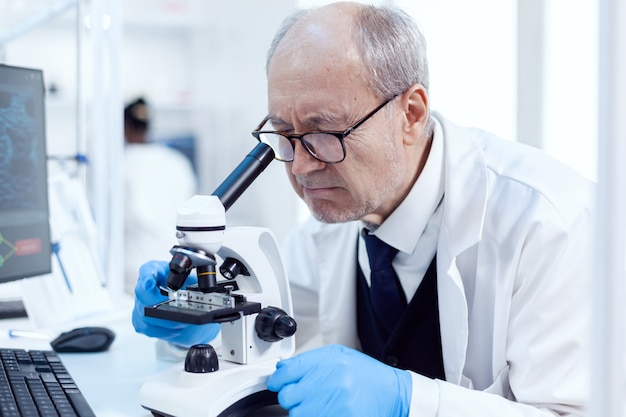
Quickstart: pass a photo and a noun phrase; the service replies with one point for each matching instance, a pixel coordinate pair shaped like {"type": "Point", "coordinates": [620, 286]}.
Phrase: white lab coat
{"type": "Point", "coordinates": [157, 181]}
{"type": "Point", "coordinates": [513, 263]}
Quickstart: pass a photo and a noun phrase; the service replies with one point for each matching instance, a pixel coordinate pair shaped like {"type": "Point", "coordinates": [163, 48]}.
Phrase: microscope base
{"type": "Point", "coordinates": [218, 394]}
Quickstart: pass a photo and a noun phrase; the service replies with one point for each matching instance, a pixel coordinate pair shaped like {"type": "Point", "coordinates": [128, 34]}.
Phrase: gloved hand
{"type": "Point", "coordinates": [152, 275]}
{"type": "Point", "coordinates": [337, 381]}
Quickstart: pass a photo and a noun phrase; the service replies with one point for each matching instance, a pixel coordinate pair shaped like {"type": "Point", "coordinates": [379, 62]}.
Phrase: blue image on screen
{"type": "Point", "coordinates": [19, 157]}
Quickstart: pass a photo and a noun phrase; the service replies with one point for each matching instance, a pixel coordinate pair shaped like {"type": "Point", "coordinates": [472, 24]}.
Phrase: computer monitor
{"type": "Point", "coordinates": [25, 249]}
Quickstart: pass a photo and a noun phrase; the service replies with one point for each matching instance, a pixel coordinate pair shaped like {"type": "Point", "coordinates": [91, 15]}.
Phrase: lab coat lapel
{"type": "Point", "coordinates": [464, 209]}
{"type": "Point", "coordinates": [337, 303]}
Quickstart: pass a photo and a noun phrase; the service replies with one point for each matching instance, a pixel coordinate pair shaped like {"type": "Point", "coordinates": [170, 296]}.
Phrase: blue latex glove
{"type": "Point", "coordinates": [337, 381]}
{"type": "Point", "coordinates": [152, 275]}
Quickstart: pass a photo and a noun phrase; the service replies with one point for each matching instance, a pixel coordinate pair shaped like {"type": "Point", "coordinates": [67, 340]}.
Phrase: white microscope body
{"type": "Point", "coordinates": [250, 297]}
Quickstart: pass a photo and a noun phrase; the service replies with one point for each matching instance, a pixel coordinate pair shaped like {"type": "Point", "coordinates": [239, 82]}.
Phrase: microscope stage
{"type": "Point", "coordinates": [197, 313]}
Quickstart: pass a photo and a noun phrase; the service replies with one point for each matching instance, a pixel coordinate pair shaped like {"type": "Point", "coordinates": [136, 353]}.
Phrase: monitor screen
{"type": "Point", "coordinates": [24, 212]}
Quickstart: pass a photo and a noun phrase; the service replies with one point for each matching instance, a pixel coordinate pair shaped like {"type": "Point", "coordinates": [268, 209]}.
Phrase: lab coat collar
{"type": "Point", "coordinates": [419, 204]}
{"type": "Point", "coordinates": [465, 181]}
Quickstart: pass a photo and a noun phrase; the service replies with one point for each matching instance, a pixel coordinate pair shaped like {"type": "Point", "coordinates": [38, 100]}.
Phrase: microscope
{"type": "Point", "coordinates": [248, 294]}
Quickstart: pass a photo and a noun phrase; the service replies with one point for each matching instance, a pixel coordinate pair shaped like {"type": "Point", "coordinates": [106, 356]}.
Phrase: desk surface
{"type": "Point", "coordinates": [109, 380]}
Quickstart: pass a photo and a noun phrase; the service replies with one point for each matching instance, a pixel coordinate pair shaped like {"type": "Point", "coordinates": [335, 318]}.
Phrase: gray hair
{"type": "Point", "coordinates": [391, 45]}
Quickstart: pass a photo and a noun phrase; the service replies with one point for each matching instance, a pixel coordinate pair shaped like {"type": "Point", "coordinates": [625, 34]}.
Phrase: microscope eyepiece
{"type": "Point", "coordinates": [244, 174]}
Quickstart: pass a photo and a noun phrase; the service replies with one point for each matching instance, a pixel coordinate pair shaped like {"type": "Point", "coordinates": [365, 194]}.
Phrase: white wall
{"type": "Point", "coordinates": [472, 56]}
{"type": "Point", "coordinates": [472, 48]}
{"type": "Point", "coordinates": [571, 88]}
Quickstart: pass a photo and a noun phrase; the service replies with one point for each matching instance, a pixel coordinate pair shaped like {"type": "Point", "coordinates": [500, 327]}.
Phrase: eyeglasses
{"type": "Point", "coordinates": [327, 147]}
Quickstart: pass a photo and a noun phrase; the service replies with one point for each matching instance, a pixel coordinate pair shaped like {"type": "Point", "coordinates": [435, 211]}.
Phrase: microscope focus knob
{"type": "Point", "coordinates": [201, 359]}
{"type": "Point", "coordinates": [273, 324]}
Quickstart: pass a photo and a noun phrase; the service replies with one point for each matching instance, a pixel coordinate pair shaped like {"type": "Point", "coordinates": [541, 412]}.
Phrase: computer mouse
{"type": "Point", "coordinates": [83, 339]}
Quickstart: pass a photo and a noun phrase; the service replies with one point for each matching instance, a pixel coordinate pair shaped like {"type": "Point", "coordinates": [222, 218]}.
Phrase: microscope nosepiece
{"type": "Point", "coordinates": [180, 267]}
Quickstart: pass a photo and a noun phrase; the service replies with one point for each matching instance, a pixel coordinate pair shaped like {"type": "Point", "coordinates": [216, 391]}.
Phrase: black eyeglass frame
{"type": "Point", "coordinates": [341, 135]}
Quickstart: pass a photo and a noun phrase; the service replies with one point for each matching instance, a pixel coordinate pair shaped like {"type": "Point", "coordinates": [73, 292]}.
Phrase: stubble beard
{"type": "Point", "coordinates": [385, 185]}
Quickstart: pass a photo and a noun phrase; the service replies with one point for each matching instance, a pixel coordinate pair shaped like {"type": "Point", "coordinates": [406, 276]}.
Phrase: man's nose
{"type": "Point", "coordinates": [303, 161]}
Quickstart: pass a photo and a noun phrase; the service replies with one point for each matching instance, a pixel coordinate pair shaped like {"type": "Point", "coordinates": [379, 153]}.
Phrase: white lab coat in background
{"type": "Point", "coordinates": [513, 262]}
{"type": "Point", "coordinates": [157, 181]}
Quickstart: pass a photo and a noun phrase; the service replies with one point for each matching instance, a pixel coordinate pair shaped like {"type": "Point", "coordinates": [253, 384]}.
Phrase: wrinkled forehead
{"type": "Point", "coordinates": [320, 39]}
{"type": "Point", "coordinates": [317, 62]}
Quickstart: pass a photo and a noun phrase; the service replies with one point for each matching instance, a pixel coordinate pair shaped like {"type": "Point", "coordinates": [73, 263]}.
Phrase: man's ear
{"type": "Point", "coordinates": [414, 103]}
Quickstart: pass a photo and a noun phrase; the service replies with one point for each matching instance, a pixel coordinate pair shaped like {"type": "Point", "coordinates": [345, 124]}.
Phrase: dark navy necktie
{"type": "Point", "coordinates": [386, 293]}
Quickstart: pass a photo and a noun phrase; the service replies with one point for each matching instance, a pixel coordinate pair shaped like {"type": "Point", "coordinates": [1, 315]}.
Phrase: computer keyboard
{"type": "Point", "coordinates": [35, 383]}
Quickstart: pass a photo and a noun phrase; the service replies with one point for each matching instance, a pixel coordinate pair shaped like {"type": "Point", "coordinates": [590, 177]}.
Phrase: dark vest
{"type": "Point", "coordinates": [415, 342]}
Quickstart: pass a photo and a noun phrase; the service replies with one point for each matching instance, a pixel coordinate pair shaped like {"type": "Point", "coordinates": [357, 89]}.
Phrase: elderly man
{"type": "Point", "coordinates": [481, 307]}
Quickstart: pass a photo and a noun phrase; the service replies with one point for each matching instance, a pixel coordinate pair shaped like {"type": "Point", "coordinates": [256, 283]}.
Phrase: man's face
{"type": "Point", "coordinates": [319, 85]}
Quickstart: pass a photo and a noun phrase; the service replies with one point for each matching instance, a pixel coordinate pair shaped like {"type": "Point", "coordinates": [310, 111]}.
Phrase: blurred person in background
{"type": "Point", "coordinates": [150, 171]}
